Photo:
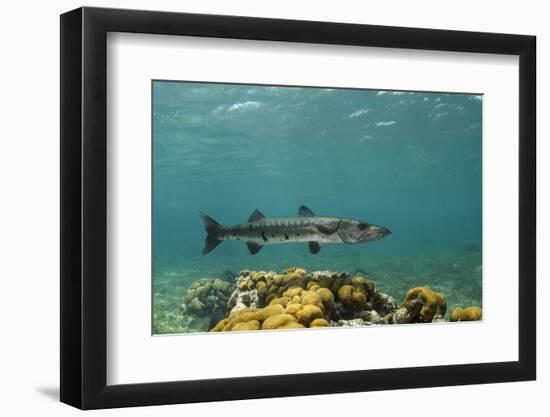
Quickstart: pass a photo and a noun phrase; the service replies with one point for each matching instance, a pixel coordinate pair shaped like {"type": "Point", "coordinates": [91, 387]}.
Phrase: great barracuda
{"type": "Point", "coordinates": [308, 227]}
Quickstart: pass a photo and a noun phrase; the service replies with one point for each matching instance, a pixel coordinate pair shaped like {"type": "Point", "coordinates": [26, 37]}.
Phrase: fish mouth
{"type": "Point", "coordinates": [379, 233]}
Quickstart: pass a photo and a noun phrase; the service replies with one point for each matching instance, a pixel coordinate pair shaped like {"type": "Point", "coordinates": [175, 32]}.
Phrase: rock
{"type": "Point", "coordinates": [400, 316]}
{"type": "Point", "coordinates": [353, 323]}
{"type": "Point", "coordinates": [245, 299]}
{"type": "Point", "coordinates": [438, 319]}
{"type": "Point", "coordinates": [384, 304]}
{"type": "Point", "coordinates": [371, 316]}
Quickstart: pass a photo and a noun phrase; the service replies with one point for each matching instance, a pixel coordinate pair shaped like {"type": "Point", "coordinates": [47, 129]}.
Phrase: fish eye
{"type": "Point", "coordinates": [363, 226]}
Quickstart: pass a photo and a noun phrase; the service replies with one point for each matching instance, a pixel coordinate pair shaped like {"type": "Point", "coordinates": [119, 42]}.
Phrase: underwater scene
{"type": "Point", "coordinates": [282, 207]}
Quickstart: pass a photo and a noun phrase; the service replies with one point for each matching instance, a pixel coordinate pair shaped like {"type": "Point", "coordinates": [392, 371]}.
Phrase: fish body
{"type": "Point", "coordinates": [269, 231]}
{"type": "Point", "coordinates": [307, 227]}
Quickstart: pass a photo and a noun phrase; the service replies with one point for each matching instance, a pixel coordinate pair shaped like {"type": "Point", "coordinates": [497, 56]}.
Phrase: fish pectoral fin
{"type": "Point", "coordinates": [326, 230]}
{"type": "Point", "coordinates": [256, 215]}
{"type": "Point", "coordinates": [254, 248]}
{"type": "Point", "coordinates": [305, 212]}
{"type": "Point", "coordinates": [314, 247]}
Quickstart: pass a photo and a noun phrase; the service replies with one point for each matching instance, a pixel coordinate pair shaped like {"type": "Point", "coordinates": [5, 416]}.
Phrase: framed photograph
{"type": "Point", "coordinates": [257, 208]}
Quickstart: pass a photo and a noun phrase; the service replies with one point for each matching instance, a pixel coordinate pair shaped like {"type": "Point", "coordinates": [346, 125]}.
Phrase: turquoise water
{"type": "Point", "coordinates": [408, 161]}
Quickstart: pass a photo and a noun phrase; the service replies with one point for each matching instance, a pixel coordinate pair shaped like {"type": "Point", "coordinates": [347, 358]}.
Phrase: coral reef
{"type": "Point", "coordinates": [472, 313]}
{"type": "Point", "coordinates": [205, 302]}
{"type": "Point", "coordinates": [421, 305]}
{"type": "Point", "coordinates": [457, 275]}
{"type": "Point", "coordinates": [297, 299]}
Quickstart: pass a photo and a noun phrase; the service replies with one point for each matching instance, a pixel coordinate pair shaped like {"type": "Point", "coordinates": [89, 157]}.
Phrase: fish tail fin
{"type": "Point", "coordinates": [211, 227]}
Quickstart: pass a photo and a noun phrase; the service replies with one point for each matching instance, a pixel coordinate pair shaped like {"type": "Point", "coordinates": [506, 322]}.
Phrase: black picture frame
{"type": "Point", "coordinates": [84, 207]}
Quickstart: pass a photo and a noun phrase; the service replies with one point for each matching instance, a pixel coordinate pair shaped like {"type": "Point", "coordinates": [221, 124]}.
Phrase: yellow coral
{"type": "Point", "coordinates": [247, 325]}
{"type": "Point", "coordinates": [319, 323]}
{"type": "Point", "coordinates": [366, 286]}
{"type": "Point", "coordinates": [456, 314]}
{"type": "Point", "coordinates": [359, 299]}
{"type": "Point", "coordinates": [281, 321]}
{"type": "Point", "coordinates": [327, 298]}
{"type": "Point", "coordinates": [472, 314]}
{"type": "Point", "coordinates": [247, 315]}
{"type": "Point", "coordinates": [262, 290]}
{"type": "Point", "coordinates": [292, 308]}
{"type": "Point", "coordinates": [297, 270]}
{"type": "Point", "coordinates": [352, 297]}
{"type": "Point", "coordinates": [344, 294]}
{"type": "Point", "coordinates": [257, 276]}
{"type": "Point", "coordinates": [292, 292]}
{"type": "Point", "coordinates": [280, 300]}
{"type": "Point", "coordinates": [311, 297]}
{"type": "Point", "coordinates": [242, 316]}
{"type": "Point", "coordinates": [358, 281]}
{"type": "Point", "coordinates": [296, 299]}
{"type": "Point", "coordinates": [423, 304]}
{"type": "Point", "coordinates": [308, 313]}
{"type": "Point", "coordinates": [221, 324]}
{"type": "Point", "coordinates": [292, 276]}
{"type": "Point", "coordinates": [269, 311]}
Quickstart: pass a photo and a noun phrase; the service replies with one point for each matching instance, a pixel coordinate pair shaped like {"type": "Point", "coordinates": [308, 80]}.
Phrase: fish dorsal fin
{"type": "Point", "coordinates": [254, 248]}
{"type": "Point", "coordinates": [314, 247]}
{"type": "Point", "coordinates": [256, 215]}
{"type": "Point", "coordinates": [305, 212]}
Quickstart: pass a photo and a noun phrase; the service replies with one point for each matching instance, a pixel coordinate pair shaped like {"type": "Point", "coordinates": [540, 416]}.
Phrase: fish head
{"type": "Point", "coordinates": [355, 231]}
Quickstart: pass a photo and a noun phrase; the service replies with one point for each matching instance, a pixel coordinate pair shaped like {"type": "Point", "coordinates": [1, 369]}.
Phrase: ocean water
{"type": "Point", "coordinates": [408, 161]}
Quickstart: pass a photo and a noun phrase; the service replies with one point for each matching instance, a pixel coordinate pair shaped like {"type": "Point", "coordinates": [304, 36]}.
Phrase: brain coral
{"type": "Point", "coordinates": [352, 297]}
{"type": "Point", "coordinates": [281, 321]}
{"type": "Point", "coordinates": [472, 313]}
{"type": "Point", "coordinates": [207, 296]}
{"type": "Point", "coordinates": [423, 304]}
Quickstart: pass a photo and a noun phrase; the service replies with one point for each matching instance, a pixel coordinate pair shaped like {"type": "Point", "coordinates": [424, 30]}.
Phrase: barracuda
{"type": "Point", "coordinates": [260, 231]}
